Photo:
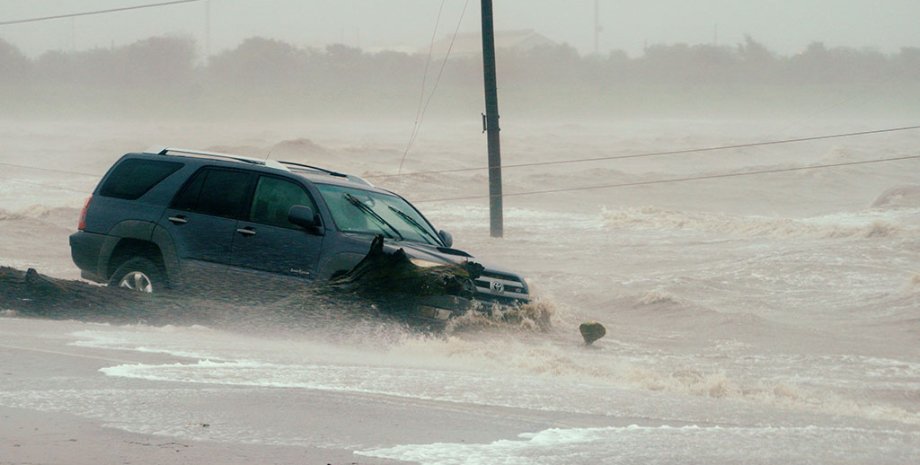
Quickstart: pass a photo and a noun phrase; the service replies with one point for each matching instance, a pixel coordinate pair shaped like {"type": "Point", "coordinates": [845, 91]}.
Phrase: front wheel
{"type": "Point", "coordinates": [140, 275]}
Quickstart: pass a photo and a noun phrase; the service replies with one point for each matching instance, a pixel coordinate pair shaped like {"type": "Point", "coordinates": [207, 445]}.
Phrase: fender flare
{"type": "Point", "coordinates": [143, 231]}
{"type": "Point", "coordinates": [129, 229]}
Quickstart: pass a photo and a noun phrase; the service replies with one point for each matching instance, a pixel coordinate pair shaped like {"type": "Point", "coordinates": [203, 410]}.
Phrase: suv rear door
{"type": "Point", "coordinates": [265, 241]}
{"type": "Point", "coordinates": [202, 221]}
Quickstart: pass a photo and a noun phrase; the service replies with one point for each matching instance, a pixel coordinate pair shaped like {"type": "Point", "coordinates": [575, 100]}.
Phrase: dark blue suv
{"type": "Point", "coordinates": [184, 219]}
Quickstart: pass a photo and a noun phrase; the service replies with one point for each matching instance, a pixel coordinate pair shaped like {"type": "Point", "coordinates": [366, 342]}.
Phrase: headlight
{"type": "Point", "coordinates": [434, 312]}
{"type": "Point", "coordinates": [424, 263]}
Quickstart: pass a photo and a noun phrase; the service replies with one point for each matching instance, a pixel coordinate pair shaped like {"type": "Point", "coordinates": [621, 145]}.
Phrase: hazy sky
{"type": "Point", "coordinates": [784, 26]}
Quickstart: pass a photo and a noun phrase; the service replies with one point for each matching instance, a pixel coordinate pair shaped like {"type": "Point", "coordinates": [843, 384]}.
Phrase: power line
{"type": "Point", "coordinates": [96, 12]}
{"type": "Point", "coordinates": [421, 117]}
{"type": "Point", "coordinates": [564, 189]}
{"type": "Point", "coordinates": [677, 180]}
{"type": "Point", "coordinates": [421, 97]}
{"type": "Point", "coordinates": [656, 154]}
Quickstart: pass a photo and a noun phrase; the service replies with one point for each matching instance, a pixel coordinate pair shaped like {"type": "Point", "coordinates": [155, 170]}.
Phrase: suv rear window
{"type": "Point", "coordinates": [132, 178]}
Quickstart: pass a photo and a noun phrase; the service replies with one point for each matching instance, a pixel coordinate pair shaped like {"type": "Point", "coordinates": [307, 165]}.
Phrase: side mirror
{"type": "Point", "coordinates": [446, 238]}
{"type": "Point", "coordinates": [302, 216]}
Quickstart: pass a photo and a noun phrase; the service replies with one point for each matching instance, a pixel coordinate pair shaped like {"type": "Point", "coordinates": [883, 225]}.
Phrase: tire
{"type": "Point", "coordinates": [139, 274]}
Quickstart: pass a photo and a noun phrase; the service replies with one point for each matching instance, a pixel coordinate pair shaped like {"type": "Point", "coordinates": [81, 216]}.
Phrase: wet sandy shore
{"type": "Point", "coordinates": [200, 424]}
{"type": "Point", "coordinates": [34, 356]}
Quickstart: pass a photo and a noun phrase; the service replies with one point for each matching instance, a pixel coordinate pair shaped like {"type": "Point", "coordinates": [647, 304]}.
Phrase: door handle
{"type": "Point", "coordinates": [246, 231]}
{"type": "Point", "coordinates": [178, 219]}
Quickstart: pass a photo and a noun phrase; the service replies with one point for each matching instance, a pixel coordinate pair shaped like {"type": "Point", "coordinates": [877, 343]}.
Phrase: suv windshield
{"type": "Point", "coordinates": [360, 211]}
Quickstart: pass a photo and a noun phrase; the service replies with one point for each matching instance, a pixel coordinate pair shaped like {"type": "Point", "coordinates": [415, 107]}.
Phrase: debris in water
{"type": "Point", "coordinates": [592, 331]}
{"type": "Point", "coordinates": [385, 278]}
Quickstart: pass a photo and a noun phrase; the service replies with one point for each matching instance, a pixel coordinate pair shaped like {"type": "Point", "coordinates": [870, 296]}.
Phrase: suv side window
{"type": "Point", "coordinates": [273, 199]}
{"type": "Point", "coordinates": [215, 191]}
{"type": "Point", "coordinates": [132, 178]}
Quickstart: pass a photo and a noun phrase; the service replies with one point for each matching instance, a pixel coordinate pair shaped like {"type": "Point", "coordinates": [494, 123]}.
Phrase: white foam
{"type": "Point", "coordinates": [427, 384]}
{"type": "Point", "coordinates": [671, 445]}
{"type": "Point", "coordinates": [127, 338]}
{"type": "Point", "coordinates": [590, 389]}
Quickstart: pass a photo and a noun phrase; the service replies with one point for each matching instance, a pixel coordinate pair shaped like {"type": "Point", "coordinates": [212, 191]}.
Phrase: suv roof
{"type": "Point", "coordinates": [288, 166]}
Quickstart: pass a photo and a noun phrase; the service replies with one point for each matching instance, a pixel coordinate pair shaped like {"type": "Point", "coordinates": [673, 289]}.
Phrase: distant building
{"type": "Point", "coordinates": [470, 44]}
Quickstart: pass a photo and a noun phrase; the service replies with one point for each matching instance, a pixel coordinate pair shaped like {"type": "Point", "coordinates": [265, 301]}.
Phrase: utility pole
{"type": "Point", "coordinates": [490, 120]}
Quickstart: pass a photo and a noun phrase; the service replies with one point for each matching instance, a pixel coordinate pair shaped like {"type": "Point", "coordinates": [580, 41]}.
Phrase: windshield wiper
{"type": "Point", "coordinates": [371, 213]}
{"type": "Point", "coordinates": [412, 222]}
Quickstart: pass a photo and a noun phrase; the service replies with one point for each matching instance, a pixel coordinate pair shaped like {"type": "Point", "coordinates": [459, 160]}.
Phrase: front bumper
{"type": "Point", "coordinates": [489, 289]}
{"type": "Point", "coordinates": [442, 307]}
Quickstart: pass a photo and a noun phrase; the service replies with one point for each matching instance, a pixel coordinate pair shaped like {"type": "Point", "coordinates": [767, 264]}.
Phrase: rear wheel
{"type": "Point", "coordinates": [139, 274]}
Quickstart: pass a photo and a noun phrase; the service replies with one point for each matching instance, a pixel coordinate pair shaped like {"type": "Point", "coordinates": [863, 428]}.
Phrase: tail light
{"type": "Point", "coordinates": [81, 225]}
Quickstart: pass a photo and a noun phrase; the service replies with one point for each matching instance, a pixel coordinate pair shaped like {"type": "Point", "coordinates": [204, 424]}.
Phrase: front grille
{"type": "Point", "coordinates": [500, 288]}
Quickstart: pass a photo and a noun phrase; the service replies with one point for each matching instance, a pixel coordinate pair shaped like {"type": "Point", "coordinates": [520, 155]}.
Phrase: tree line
{"type": "Point", "coordinates": [164, 74]}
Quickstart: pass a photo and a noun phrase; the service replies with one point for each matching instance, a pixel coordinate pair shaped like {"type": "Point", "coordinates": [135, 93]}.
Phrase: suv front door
{"type": "Point", "coordinates": [265, 241]}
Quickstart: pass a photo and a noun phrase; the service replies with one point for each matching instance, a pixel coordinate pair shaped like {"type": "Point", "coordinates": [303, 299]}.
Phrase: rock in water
{"type": "Point", "coordinates": [592, 331]}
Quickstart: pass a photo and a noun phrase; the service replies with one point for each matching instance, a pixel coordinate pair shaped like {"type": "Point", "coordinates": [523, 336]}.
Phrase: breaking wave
{"type": "Point", "coordinates": [288, 147]}
{"type": "Point", "coordinates": [658, 297]}
{"type": "Point", "coordinates": [901, 196]}
{"type": "Point", "coordinates": [830, 227]}
{"type": "Point", "coordinates": [39, 212]}
{"type": "Point", "coordinates": [300, 146]}
{"type": "Point", "coordinates": [786, 395]}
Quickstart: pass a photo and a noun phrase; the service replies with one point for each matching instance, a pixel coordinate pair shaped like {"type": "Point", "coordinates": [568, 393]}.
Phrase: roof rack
{"type": "Point", "coordinates": [223, 156]}
{"type": "Point", "coordinates": [349, 177]}
{"type": "Point", "coordinates": [324, 170]}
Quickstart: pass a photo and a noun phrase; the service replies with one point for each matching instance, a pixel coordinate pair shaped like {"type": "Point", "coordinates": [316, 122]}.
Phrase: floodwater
{"type": "Point", "coordinates": [770, 319]}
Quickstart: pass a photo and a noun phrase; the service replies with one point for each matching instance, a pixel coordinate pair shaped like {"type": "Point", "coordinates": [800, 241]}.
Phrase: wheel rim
{"type": "Point", "coordinates": [136, 281]}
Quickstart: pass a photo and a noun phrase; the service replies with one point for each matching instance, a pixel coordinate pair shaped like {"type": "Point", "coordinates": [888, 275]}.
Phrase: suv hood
{"type": "Point", "coordinates": [450, 256]}
{"type": "Point", "coordinates": [431, 253]}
